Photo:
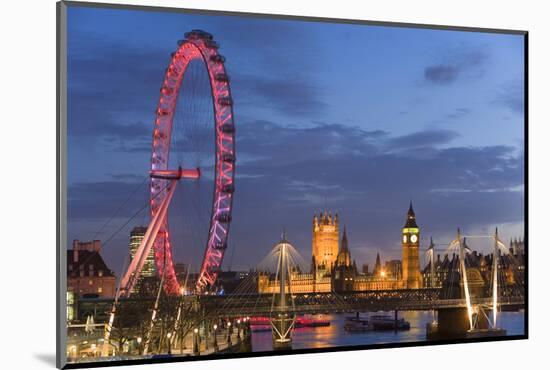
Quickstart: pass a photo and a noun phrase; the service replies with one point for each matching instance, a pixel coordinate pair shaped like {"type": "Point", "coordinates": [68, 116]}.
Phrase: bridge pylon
{"type": "Point", "coordinates": [282, 314]}
{"type": "Point", "coordinates": [470, 319]}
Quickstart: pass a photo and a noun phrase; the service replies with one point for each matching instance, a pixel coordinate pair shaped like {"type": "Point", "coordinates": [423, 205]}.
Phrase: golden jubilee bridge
{"type": "Point", "coordinates": [254, 304]}
{"type": "Point", "coordinates": [423, 299]}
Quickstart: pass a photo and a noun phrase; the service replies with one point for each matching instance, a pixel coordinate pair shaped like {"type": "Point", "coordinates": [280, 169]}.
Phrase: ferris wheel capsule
{"type": "Point", "coordinates": [225, 100]}
{"type": "Point", "coordinates": [228, 128]}
{"type": "Point", "coordinates": [221, 77]}
{"type": "Point", "coordinates": [217, 58]}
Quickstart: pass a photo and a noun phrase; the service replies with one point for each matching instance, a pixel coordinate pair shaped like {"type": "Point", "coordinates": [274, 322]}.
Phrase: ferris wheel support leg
{"type": "Point", "coordinates": [132, 273]}
{"type": "Point", "coordinates": [134, 270]}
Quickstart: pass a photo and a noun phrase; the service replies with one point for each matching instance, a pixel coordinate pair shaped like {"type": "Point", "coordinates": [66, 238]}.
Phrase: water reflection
{"type": "Point", "coordinates": [335, 335]}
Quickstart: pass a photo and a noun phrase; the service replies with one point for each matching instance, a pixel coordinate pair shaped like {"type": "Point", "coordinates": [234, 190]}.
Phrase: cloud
{"type": "Point", "coordinates": [100, 200]}
{"type": "Point", "coordinates": [132, 177]}
{"type": "Point", "coordinates": [112, 91]}
{"type": "Point", "coordinates": [265, 39]}
{"type": "Point", "coordinates": [456, 64]}
{"type": "Point", "coordinates": [288, 95]}
{"type": "Point", "coordinates": [272, 80]}
{"type": "Point", "coordinates": [114, 86]}
{"type": "Point", "coordinates": [459, 113]}
{"type": "Point", "coordinates": [360, 161]}
{"type": "Point", "coordinates": [511, 95]}
{"type": "Point", "coordinates": [286, 173]}
{"type": "Point", "coordinates": [426, 138]}
{"type": "Point", "coordinates": [264, 141]}
{"type": "Point", "coordinates": [441, 74]}
{"type": "Point", "coordinates": [369, 179]}
{"type": "Point", "coordinates": [89, 119]}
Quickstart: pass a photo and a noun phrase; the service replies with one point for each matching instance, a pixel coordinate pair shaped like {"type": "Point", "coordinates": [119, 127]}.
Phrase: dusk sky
{"type": "Point", "coordinates": [354, 118]}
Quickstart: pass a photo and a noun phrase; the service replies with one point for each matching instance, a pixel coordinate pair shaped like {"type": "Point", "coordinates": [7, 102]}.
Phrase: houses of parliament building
{"type": "Point", "coordinates": [333, 269]}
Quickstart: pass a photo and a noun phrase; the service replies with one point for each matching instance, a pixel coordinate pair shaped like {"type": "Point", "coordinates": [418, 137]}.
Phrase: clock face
{"type": "Point", "coordinates": [404, 238]}
{"type": "Point", "coordinates": [414, 238]}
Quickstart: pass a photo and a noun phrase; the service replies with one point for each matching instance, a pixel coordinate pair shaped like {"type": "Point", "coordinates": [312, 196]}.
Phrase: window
{"type": "Point", "coordinates": [90, 282]}
{"type": "Point", "coordinates": [100, 289]}
{"type": "Point", "coordinates": [70, 313]}
{"type": "Point", "coordinates": [100, 273]}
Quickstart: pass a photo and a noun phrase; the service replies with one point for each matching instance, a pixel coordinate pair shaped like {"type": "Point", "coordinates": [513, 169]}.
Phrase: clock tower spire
{"type": "Point", "coordinates": [411, 259]}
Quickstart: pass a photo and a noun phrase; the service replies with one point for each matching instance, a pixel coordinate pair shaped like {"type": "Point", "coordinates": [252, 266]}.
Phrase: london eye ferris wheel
{"type": "Point", "coordinates": [196, 104]}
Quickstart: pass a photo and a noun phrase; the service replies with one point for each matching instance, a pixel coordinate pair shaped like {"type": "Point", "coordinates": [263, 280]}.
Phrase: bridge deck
{"type": "Point", "coordinates": [389, 300]}
{"type": "Point", "coordinates": [261, 304]}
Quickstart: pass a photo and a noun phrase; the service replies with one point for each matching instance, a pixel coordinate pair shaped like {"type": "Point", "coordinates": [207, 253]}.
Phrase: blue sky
{"type": "Point", "coordinates": [358, 118]}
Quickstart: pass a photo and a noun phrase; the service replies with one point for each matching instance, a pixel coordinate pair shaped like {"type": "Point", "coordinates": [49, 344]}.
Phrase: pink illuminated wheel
{"type": "Point", "coordinates": [197, 46]}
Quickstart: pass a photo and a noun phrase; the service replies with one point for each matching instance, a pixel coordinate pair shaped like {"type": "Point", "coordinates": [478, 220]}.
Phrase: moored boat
{"type": "Point", "coordinates": [386, 322]}
{"type": "Point", "coordinates": [264, 323]}
{"type": "Point", "coordinates": [357, 324]}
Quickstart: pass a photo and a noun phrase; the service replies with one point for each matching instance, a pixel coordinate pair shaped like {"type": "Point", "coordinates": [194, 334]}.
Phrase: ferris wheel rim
{"type": "Point", "coordinates": [198, 45]}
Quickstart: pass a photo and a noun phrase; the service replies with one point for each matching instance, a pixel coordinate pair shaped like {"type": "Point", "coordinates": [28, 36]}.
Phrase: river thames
{"type": "Point", "coordinates": [335, 335]}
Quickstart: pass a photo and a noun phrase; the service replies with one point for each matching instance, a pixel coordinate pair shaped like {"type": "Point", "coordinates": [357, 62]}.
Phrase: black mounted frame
{"type": "Point", "coordinates": [61, 191]}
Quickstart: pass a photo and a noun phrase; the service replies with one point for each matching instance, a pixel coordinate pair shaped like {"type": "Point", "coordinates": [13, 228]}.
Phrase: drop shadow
{"type": "Point", "coordinates": [46, 358]}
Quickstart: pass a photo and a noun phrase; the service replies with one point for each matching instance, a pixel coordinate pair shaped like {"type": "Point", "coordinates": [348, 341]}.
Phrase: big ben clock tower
{"type": "Point", "coordinates": [411, 260]}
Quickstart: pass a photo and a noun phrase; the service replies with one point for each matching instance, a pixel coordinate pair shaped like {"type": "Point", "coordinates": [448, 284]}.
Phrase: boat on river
{"type": "Point", "coordinates": [357, 324]}
{"type": "Point", "coordinates": [387, 322]}
{"type": "Point", "coordinates": [375, 322]}
{"type": "Point", "coordinates": [264, 323]}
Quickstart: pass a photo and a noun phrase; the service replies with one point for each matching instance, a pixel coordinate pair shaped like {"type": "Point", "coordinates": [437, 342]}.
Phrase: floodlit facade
{"type": "Point", "coordinates": [324, 243]}
{"type": "Point", "coordinates": [333, 269]}
{"type": "Point", "coordinates": [136, 236]}
{"type": "Point", "coordinates": [411, 257]}
{"type": "Point", "coordinates": [87, 272]}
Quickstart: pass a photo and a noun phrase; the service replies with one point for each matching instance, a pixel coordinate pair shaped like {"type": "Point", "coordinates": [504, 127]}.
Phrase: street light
{"type": "Point", "coordinates": [196, 342]}
{"type": "Point", "coordinates": [246, 326]}
{"type": "Point", "coordinates": [215, 338]}
{"type": "Point", "coordinates": [169, 335]}
{"type": "Point", "coordinates": [228, 333]}
{"type": "Point", "coordinates": [239, 330]}
{"type": "Point", "coordinates": [139, 345]}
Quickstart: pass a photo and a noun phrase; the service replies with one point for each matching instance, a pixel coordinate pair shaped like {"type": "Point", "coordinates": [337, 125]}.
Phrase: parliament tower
{"type": "Point", "coordinates": [325, 240]}
{"type": "Point", "coordinates": [411, 259]}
